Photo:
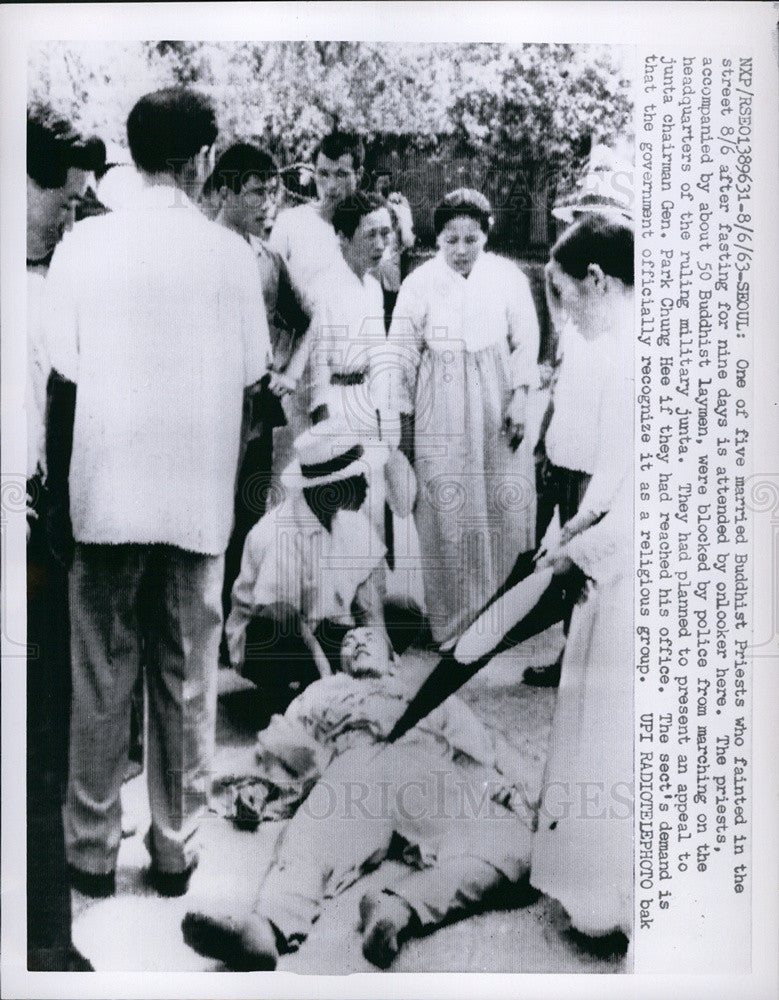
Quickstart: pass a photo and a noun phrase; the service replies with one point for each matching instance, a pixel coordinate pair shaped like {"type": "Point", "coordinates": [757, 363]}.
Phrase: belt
{"type": "Point", "coordinates": [347, 378]}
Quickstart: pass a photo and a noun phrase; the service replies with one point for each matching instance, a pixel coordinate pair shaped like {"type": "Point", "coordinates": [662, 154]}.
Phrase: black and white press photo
{"type": "Point", "coordinates": [329, 507]}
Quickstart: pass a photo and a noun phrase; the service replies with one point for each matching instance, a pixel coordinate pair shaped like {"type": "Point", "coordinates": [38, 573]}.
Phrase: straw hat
{"type": "Point", "coordinates": [330, 452]}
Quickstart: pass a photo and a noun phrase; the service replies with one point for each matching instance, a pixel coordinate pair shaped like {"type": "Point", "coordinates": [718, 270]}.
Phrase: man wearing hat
{"type": "Point", "coordinates": [312, 567]}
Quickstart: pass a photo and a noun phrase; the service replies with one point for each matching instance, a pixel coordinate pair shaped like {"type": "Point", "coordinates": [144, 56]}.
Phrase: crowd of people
{"type": "Point", "coordinates": [258, 438]}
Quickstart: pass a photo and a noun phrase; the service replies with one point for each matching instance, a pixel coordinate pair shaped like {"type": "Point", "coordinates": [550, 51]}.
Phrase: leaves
{"type": "Point", "coordinates": [534, 100]}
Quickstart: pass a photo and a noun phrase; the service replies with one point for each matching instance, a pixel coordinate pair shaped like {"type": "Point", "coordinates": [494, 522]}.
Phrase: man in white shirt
{"type": "Point", "coordinates": [312, 567]}
{"type": "Point", "coordinates": [155, 315]}
{"type": "Point", "coordinates": [246, 182]}
{"type": "Point", "coordinates": [304, 235]}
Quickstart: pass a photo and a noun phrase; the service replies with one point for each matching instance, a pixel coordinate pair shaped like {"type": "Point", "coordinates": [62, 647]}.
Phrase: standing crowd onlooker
{"type": "Point", "coordinates": [156, 329]}
{"type": "Point", "coordinates": [59, 162]}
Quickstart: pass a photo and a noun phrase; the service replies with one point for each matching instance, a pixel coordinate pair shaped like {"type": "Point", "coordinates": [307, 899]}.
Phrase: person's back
{"type": "Point", "coordinates": [156, 329]}
{"type": "Point", "coordinates": [164, 350]}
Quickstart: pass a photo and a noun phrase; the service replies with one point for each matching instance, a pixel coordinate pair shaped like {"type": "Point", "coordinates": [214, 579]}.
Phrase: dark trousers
{"type": "Point", "coordinates": [251, 499]}
{"type": "Point", "coordinates": [557, 487]}
{"type": "Point", "coordinates": [564, 489]}
{"type": "Point", "coordinates": [48, 701]}
{"type": "Point", "coordinates": [163, 604]}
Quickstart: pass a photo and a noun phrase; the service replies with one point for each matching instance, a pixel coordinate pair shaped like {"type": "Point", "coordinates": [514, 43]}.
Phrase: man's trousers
{"type": "Point", "coordinates": [125, 598]}
{"type": "Point", "coordinates": [464, 845]}
{"type": "Point", "coordinates": [48, 701]}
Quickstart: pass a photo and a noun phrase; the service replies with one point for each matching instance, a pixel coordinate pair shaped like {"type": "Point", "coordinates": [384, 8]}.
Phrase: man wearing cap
{"type": "Point", "coordinates": [312, 567]}
{"type": "Point", "coordinates": [157, 329]}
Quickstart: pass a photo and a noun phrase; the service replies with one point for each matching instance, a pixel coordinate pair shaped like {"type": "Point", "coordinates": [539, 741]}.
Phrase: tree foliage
{"type": "Point", "coordinates": [539, 102]}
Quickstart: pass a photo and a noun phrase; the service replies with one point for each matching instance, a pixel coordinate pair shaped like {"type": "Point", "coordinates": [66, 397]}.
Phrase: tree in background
{"type": "Point", "coordinates": [515, 121]}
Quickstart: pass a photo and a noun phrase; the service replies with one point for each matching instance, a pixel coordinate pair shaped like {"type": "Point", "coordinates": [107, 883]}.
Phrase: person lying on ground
{"type": "Point", "coordinates": [448, 799]}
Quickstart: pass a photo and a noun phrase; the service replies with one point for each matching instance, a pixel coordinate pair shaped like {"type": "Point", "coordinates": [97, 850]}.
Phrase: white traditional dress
{"type": "Point", "coordinates": [348, 371]}
{"type": "Point", "coordinates": [583, 850]}
{"type": "Point", "coordinates": [463, 345]}
{"type": "Point", "coordinates": [348, 342]}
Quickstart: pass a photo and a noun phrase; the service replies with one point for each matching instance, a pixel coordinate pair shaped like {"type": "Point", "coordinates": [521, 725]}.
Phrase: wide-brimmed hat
{"type": "Point", "coordinates": [330, 452]}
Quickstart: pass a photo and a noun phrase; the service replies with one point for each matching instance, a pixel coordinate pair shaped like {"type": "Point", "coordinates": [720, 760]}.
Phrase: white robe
{"type": "Point", "coordinates": [462, 346]}
{"type": "Point", "coordinates": [583, 850]}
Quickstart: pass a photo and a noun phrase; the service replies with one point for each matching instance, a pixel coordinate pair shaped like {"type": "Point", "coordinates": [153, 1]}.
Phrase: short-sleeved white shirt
{"type": "Point", "coordinates": [157, 315]}
{"type": "Point", "coordinates": [309, 247]}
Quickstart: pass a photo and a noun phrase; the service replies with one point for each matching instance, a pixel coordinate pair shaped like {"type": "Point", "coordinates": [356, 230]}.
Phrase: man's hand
{"type": "Point", "coordinates": [280, 385]}
{"type": "Point", "coordinates": [557, 558]}
{"type": "Point", "coordinates": [514, 421]}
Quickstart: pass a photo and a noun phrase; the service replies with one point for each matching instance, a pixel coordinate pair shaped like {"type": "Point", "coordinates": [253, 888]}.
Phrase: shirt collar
{"type": "Point", "coordinates": [159, 196]}
{"type": "Point", "coordinates": [453, 275]}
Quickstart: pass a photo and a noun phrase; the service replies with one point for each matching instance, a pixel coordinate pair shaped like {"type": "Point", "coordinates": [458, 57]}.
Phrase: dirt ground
{"type": "Point", "coordinates": [138, 931]}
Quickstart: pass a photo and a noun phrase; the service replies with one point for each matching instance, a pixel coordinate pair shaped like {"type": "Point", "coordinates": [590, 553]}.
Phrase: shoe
{"type": "Point", "coordinates": [170, 884]}
{"type": "Point", "coordinates": [77, 962]}
{"type": "Point", "coordinates": [384, 923]}
{"type": "Point", "coordinates": [249, 946]}
{"type": "Point", "coordinates": [96, 885]}
{"type": "Point", "coordinates": [606, 946]}
{"type": "Point", "coordinates": [546, 677]}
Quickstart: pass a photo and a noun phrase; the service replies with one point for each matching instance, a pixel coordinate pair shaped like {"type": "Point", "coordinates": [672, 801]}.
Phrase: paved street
{"type": "Point", "coordinates": [137, 930]}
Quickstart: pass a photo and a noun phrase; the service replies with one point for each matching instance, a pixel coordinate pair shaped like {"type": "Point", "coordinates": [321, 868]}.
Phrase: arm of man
{"type": "Point", "coordinates": [60, 332]}
{"type": "Point", "coordinates": [255, 586]}
{"type": "Point", "coordinates": [60, 416]}
{"type": "Point", "coordinates": [523, 336]}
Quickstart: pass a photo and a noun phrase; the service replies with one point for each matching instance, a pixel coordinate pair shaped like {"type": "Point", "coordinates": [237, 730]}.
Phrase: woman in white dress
{"type": "Point", "coordinates": [465, 333]}
{"type": "Point", "coordinates": [583, 851]}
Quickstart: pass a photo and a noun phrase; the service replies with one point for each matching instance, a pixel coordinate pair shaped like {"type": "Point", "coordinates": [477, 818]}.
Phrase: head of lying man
{"type": "Point", "coordinates": [366, 652]}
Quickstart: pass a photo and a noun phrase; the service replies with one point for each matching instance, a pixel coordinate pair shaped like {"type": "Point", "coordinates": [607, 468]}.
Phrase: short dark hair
{"type": "Point", "coordinates": [169, 127]}
{"type": "Point", "coordinates": [239, 163]}
{"type": "Point", "coordinates": [349, 211]}
{"type": "Point", "coordinates": [54, 146]}
{"type": "Point", "coordinates": [465, 202]}
{"type": "Point", "coordinates": [336, 144]}
{"type": "Point", "coordinates": [596, 240]}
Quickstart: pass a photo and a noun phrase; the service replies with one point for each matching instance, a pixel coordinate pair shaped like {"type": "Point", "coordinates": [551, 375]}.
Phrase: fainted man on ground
{"type": "Point", "coordinates": [440, 799]}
